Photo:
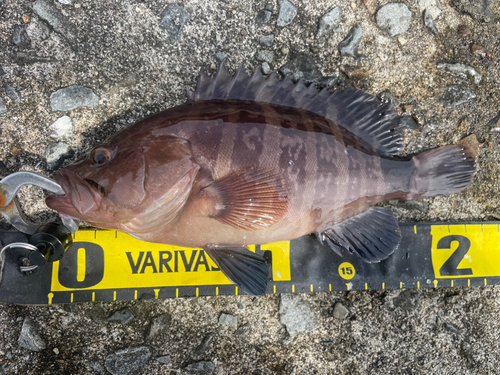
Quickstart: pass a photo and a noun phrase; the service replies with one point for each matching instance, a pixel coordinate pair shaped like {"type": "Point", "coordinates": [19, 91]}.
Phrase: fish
{"type": "Point", "coordinates": [250, 159]}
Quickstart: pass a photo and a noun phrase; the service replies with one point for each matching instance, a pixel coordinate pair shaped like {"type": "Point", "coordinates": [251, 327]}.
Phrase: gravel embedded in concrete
{"type": "Point", "coordinates": [455, 95]}
{"type": "Point", "coordinates": [73, 97]}
{"type": "Point", "coordinates": [62, 128]}
{"type": "Point", "coordinates": [461, 70]}
{"type": "Point", "coordinates": [349, 46]}
{"type": "Point", "coordinates": [329, 22]}
{"type": "Point", "coordinates": [129, 361]}
{"type": "Point", "coordinates": [30, 338]}
{"type": "Point", "coordinates": [296, 315]}
{"type": "Point", "coordinates": [172, 19]}
{"type": "Point", "coordinates": [394, 18]}
{"type": "Point", "coordinates": [287, 13]}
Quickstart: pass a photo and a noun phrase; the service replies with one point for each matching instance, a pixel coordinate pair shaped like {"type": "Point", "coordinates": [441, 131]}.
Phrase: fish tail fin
{"type": "Point", "coordinates": [442, 171]}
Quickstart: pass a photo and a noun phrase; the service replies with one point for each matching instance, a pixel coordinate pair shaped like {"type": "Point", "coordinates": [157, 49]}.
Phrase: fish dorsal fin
{"type": "Point", "coordinates": [372, 235]}
{"type": "Point", "coordinates": [359, 112]}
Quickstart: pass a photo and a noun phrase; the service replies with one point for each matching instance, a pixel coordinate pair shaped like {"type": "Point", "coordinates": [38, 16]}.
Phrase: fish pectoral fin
{"type": "Point", "coordinates": [372, 235]}
{"type": "Point", "coordinates": [244, 268]}
{"type": "Point", "coordinates": [250, 199]}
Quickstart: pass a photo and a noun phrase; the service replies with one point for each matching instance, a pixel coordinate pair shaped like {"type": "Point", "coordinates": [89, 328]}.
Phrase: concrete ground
{"type": "Point", "coordinates": [137, 57]}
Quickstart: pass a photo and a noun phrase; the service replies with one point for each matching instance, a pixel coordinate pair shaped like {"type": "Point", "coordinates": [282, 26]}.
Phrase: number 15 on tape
{"type": "Point", "coordinates": [465, 251]}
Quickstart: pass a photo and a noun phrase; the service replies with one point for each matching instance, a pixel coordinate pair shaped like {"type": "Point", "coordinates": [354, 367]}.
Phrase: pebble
{"type": "Point", "coordinates": [127, 361]}
{"type": "Point", "coordinates": [454, 95]}
{"type": "Point", "coordinates": [201, 367]}
{"type": "Point", "coordinates": [165, 359]}
{"type": "Point", "coordinates": [340, 311]}
{"type": "Point", "coordinates": [461, 70]}
{"type": "Point", "coordinates": [371, 5]}
{"type": "Point", "coordinates": [96, 366]}
{"type": "Point", "coordinates": [124, 316]}
{"type": "Point", "coordinates": [388, 97]}
{"type": "Point", "coordinates": [56, 351]}
{"type": "Point", "coordinates": [228, 320]}
{"type": "Point", "coordinates": [243, 330]}
{"type": "Point", "coordinates": [20, 38]}
{"type": "Point", "coordinates": [433, 6]}
{"type": "Point", "coordinates": [355, 72]}
{"type": "Point", "coordinates": [12, 93]}
{"type": "Point", "coordinates": [66, 2]}
{"type": "Point", "coordinates": [409, 123]}
{"type": "Point", "coordinates": [479, 51]}
{"type": "Point", "coordinates": [54, 17]}
{"type": "Point", "coordinates": [204, 345]}
{"type": "Point", "coordinates": [3, 107]}
{"type": "Point", "coordinates": [26, 18]}
{"type": "Point", "coordinates": [349, 46]}
{"type": "Point", "coordinates": [56, 153]}
{"type": "Point", "coordinates": [62, 128]}
{"type": "Point", "coordinates": [221, 56]}
{"type": "Point", "coordinates": [29, 337]}
{"type": "Point", "coordinates": [266, 40]}
{"type": "Point", "coordinates": [296, 314]}
{"type": "Point", "coordinates": [72, 97]}
{"type": "Point", "coordinates": [394, 18]}
{"type": "Point", "coordinates": [330, 21]}
{"type": "Point", "coordinates": [266, 69]}
{"type": "Point", "coordinates": [302, 66]}
{"type": "Point", "coordinates": [172, 19]}
{"type": "Point", "coordinates": [263, 17]}
{"type": "Point", "coordinates": [265, 55]}
{"type": "Point", "coordinates": [480, 10]}
{"type": "Point", "coordinates": [2, 72]}
{"type": "Point", "coordinates": [159, 324]}
{"type": "Point", "coordinates": [287, 13]}
{"type": "Point", "coordinates": [429, 22]}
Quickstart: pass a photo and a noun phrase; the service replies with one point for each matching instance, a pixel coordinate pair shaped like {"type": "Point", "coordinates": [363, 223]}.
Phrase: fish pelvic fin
{"type": "Point", "coordinates": [442, 171]}
{"type": "Point", "coordinates": [359, 112]}
{"type": "Point", "coordinates": [244, 268]}
{"type": "Point", "coordinates": [372, 235]}
{"type": "Point", "coordinates": [250, 199]}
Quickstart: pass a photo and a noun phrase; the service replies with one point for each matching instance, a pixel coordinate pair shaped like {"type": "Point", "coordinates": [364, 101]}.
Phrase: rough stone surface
{"type": "Point", "coordinates": [296, 315]}
{"type": "Point", "coordinates": [461, 70]}
{"type": "Point", "coordinates": [62, 128]}
{"type": "Point", "coordinates": [349, 46]}
{"type": "Point", "coordinates": [394, 18]}
{"type": "Point", "coordinates": [265, 55]}
{"type": "Point", "coordinates": [48, 11]}
{"type": "Point", "coordinates": [20, 38]}
{"type": "Point", "coordinates": [173, 18]}
{"type": "Point", "coordinates": [201, 368]}
{"type": "Point", "coordinates": [287, 13]}
{"type": "Point", "coordinates": [124, 316]}
{"type": "Point", "coordinates": [434, 7]}
{"type": "Point", "coordinates": [409, 123]}
{"type": "Point", "coordinates": [454, 95]}
{"type": "Point", "coordinates": [228, 320]}
{"type": "Point", "coordinates": [329, 22]}
{"type": "Point", "coordinates": [266, 40]}
{"type": "Point", "coordinates": [128, 361]}
{"type": "Point", "coordinates": [56, 153]}
{"type": "Point", "coordinates": [159, 324]}
{"type": "Point", "coordinates": [429, 22]}
{"type": "Point", "coordinates": [73, 97]}
{"type": "Point", "coordinates": [340, 311]}
{"type": "Point", "coordinates": [12, 93]}
{"type": "Point", "coordinates": [481, 10]}
{"type": "Point", "coordinates": [263, 17]}
{"type": "Point", "coordinates": [3, 107]}
{"type": "Point", "coordinates": [124, 57]}
{"type": "Point", "coordinates": [165, 359]}
{"type": "Point", "coordinates": [29, 337]}
{"type": "Point", "coordinates": [205, 344]}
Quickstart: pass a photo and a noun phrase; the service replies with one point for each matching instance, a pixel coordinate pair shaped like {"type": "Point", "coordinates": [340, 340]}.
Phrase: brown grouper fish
{"type": "Point", "coordinates": [250, 160]}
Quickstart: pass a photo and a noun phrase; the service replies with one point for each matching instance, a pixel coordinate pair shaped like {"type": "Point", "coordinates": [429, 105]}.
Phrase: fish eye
{"type": "Point", "coordinates": [101, 156]}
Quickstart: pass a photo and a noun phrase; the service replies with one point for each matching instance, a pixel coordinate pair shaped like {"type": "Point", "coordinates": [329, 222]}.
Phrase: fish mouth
{"type": "Point", "coordinates": [81, 196]}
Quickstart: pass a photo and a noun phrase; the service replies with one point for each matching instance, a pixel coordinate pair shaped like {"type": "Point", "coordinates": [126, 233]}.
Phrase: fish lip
{"type": "Point", "coordinates": [80, 196]}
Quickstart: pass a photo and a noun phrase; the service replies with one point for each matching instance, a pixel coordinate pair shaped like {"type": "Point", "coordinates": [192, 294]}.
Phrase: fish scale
{"type": "Point", "coordinates": [250, 160]}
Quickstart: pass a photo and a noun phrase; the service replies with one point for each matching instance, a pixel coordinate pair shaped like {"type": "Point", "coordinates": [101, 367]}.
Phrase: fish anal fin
{"type": "Point", "coordinates": [372, 235]}
{"type": "Point", "coordinates": [250, 199]}
{"type": "Point", "coordinates": [244, 268]}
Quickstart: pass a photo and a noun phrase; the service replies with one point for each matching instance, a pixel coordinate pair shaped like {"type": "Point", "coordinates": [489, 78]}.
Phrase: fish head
{"type": "Point", "coordinates": [125, 179]}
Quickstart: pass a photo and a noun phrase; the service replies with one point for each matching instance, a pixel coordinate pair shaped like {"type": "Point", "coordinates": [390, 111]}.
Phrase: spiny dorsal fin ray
{"type": "Point", "coordinates": [356, 110]}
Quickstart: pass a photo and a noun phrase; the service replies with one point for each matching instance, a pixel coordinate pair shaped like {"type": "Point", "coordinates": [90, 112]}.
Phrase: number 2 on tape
{"type": "Point", "coordinates": [460, 251]}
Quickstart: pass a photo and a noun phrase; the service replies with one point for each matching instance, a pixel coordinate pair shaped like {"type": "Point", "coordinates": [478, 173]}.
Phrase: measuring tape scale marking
{"type": "Point", "coordinates": [111, 266]}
